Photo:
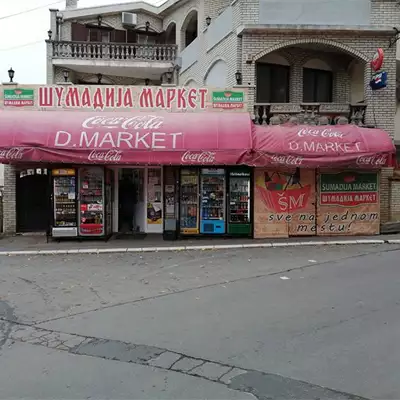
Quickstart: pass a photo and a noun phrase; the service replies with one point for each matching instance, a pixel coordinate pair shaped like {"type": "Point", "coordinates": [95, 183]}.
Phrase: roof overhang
{"type": "Point", "coordinates": [135, 6]}
{"type": "Point", "coordinates": [359, 29]}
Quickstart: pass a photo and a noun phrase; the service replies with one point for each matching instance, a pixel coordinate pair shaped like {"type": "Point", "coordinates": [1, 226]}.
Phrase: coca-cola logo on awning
{"type": "Point", "coordinates": [318, 132]}
{"type": "Point", "coordinates": [125, 123]}
{"type": "Point", "coordinates": [375, 160]}
{"type": "Point", "coordinates": [108, 155]}
{"type": "Point", "coordinates": [198, 157]}
{"type": "Point", "coordinates": [286, 160]}
{"type": "Point", "coordinates": [14, 153]}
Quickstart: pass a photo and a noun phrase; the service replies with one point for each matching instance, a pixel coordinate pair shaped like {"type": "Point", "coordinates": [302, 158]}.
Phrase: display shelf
{"type": "Point", "coordinates": [239, 204]}
{"type": "Point", "coordinates": [189, 204]}
{"type": "Point", "coordinates": [91, 203]}
{"type": "Point", "coordinates": [64, 188]}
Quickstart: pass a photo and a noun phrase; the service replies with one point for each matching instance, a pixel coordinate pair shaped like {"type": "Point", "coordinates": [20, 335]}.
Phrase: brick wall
{"type": "Point", "coordinates": [298, 57]}
{"type": "Point", "coordinates": [385, 12]}
{"type": "Point", "coordinates": [9, 200]}
{"type": "Point", "coordinates": [213, 8]}
{"type": "Point", "coordinates": [395, 199]}
{"type": "Point", "coordinates": [226, 50]}
{"type": "Point", "coordinates": [381, 104]}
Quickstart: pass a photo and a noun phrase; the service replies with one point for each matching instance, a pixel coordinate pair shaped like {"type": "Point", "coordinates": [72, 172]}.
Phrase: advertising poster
{"type": "Point", "coordinates": [154, 196]}
{"type": "Point", "coordinates": [228, 99]}
{"type": "Point", "coordinates": [154, 213]}
{"type": "Point", "coordinates": [348, 203]}
{"type": "Point", "coordinates": [284, 203]}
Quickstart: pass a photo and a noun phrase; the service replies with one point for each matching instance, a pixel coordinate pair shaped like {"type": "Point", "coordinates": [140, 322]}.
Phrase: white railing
{"type": "Point", "coordinates": [114, 51]}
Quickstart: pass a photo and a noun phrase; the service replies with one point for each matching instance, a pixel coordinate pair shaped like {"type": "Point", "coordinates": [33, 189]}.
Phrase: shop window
{"type": "Point", "coordinates": [317, 86]}
{"type": "Point", "coordinates": [272, 83]}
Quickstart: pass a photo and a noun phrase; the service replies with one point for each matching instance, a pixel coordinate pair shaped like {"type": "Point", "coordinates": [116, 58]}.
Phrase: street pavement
{"type": "Point", "coordinates": [316, 322]}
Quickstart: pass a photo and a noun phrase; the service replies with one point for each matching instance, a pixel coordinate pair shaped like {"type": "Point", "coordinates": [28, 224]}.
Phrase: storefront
{"type": "Point", "coordinates": [318, 180]}
{"type": "Point", "coordinates": [146, 168]}
{"type": "Point", "coordinates": [125, 172]}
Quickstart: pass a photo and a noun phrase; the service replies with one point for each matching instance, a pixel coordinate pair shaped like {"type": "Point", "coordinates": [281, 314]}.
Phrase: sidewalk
{"type": "Point", "coordinates": [33, 245]}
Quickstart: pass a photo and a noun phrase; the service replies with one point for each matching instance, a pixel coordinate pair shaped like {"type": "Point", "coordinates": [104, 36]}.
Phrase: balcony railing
{"type": "Point", "coordinates": [309, 113]}
{"type": "Point", "coordinates": [114, 51]}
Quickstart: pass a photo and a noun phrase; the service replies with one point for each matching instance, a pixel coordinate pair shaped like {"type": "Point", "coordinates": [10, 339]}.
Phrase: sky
{"type": "Point", "coordinates": [22, 43]}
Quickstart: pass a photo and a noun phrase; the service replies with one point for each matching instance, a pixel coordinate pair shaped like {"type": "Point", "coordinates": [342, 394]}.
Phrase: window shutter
{"type": "Point", "coordinates": [118, 36]}
{"type": "Point", "coordinates": [131, 36]}
{"type": "Point", "coordinates": [79, 32]}
{"type": "Point", "coordinates": [94, 35]}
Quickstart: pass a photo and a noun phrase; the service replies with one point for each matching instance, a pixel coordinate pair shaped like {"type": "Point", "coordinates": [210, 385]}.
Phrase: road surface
{"type": "Point", "coordinates": [278, 323]}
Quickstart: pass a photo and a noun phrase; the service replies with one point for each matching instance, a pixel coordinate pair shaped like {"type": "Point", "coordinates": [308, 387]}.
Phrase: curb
{"type": "Point", "coordinates": [196, 248]}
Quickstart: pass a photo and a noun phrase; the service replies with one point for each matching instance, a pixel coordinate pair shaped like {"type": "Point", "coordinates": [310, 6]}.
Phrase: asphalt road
{"type": "Point", "coordinates": [290, 323]}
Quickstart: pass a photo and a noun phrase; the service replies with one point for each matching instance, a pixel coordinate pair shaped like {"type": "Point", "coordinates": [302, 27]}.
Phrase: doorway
{"type": "Point", "coordinates": [33, 202]}
{"type": "Point", "coordinates": [131, 201]}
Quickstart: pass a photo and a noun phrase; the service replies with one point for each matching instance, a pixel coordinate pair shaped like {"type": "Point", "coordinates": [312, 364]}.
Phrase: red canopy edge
{"type": "Point", "coordinates": [139, 138]}
{"type": "Point", "coordinates": [163, 138]}
{"type": "Point", "coordinates": [321, 146]}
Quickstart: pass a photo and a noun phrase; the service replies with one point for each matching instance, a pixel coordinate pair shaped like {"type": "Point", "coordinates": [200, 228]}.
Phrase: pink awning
{"type": "Point", "coordinates": [321, 146]}
{"type": "Point", "coordinates": [214, 138]}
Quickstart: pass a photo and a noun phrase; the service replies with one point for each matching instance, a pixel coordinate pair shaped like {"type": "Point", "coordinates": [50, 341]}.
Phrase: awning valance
{"type": "Point", "coordinates": [162, 138]}
{"type": "Point", "coordinates": [321, 146]}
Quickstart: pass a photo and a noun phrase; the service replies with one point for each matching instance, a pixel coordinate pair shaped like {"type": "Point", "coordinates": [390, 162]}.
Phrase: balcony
{"type": "Point", "coordinates": [309, 113]}
{"type": "Point", "coordinates": [122, 59]}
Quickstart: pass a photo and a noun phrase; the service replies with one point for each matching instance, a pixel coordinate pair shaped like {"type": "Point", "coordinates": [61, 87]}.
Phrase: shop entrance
{"type": "Point", "coordinates": [131, 201]}
{"type": "Point", "coordinates": [33, 203]}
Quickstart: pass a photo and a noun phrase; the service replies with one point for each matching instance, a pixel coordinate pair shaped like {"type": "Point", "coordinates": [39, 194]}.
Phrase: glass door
{"type": "Point", "coordinates": [154, 201]}
{"type": "Point", "coordinates": [212, 201]}
{"type": "Point", "coordinates": [91, 201]}
{"type": "Point", "coordinates": [189, 213]}
{"type": "Point", "coordinates": [239, 218]}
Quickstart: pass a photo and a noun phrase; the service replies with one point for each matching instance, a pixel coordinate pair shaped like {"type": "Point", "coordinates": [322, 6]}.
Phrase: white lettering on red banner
{"type": "Point", "coordinates": [197, 157]}
{"type": "Point", "coordinates": [118, 140]}
{"type": "Point", "coordinates": [125, 97]}
{"type": "Point", "coordinates": [325, 147]}
{"type": "Point", "coordinates": [15, 153]}
{"type": "Point", "coordinates": [140, 132]}
{"type": "Point", "coordinates": [376, 160]}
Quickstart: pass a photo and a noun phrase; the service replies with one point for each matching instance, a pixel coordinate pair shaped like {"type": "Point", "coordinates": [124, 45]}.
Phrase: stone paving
{"type": "Point", "coordinates": [164, 359]}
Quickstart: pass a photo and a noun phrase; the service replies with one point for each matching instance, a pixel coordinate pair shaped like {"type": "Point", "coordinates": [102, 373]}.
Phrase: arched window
{"type": "Point", "coordinates": [189, 29]}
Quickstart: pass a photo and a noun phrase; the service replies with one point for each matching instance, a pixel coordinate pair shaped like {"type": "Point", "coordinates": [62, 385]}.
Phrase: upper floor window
{"type": "Point", "coordinates": [317, 86]}
{"type": "Point", "coordinates": [189, 28]}
{"type": "Point", "coordinates": [273, 82]}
